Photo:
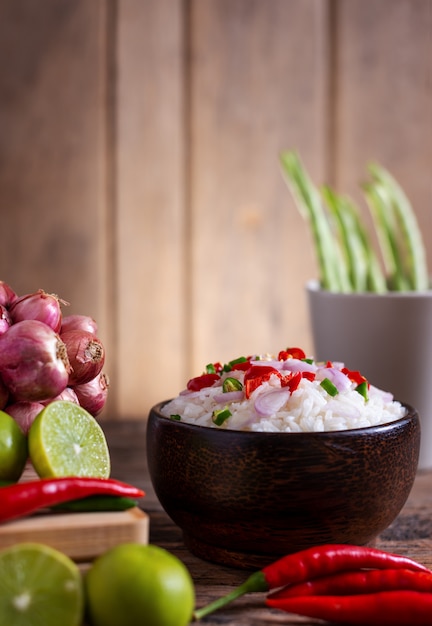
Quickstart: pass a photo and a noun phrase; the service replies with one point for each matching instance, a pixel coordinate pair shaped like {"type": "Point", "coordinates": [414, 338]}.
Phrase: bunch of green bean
{"type": "Point", "coordinates": [347, 259]}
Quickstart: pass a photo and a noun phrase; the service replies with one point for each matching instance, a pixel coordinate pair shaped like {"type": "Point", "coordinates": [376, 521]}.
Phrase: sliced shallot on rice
{"type": "Point", "coordinates": [229, 396]}
{"type": "Point", "coordinates": [338, 378]}
{"type": "Point", "coordinates": [269, 402]}
{"type": "Point", "coordinates": [297, 365]}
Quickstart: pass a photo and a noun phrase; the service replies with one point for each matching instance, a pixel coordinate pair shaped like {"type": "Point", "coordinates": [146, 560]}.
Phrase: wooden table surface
{"type": "Point", "coordinates": [410, 534]}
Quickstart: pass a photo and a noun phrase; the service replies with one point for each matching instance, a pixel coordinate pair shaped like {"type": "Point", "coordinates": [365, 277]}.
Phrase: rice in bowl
{"type": "Point", "coordinates": [284, 393]}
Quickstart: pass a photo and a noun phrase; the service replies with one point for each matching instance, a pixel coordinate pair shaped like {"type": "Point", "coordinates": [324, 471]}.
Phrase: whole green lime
{"type": "Point", "coordinates": [13, 449]}
{"type": "Point", "coordinates": [134, 584]}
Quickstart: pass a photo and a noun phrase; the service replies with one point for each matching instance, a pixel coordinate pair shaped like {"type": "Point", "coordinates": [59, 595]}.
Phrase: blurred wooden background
{"type": "Point", "coordinates": [139, 174]}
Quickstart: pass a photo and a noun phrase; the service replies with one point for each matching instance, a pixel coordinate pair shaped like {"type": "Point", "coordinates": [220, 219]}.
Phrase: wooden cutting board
{"type": "Point", "coordinates": [82, 536]}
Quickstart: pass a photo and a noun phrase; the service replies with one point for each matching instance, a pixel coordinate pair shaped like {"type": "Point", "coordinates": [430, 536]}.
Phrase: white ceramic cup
{"type": "Point", "coordinates": [387, 337]}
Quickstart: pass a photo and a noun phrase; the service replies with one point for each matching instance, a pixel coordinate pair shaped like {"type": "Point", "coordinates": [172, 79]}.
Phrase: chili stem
{"type": "Point", "coordinates": [255, 582]}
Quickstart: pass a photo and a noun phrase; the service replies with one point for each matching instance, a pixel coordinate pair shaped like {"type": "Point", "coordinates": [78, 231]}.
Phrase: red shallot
{"type": "Point", "coordinates": [67, 395]}
{"type": "Point", "coordinates": [79, 322]}
{"type": "Point", "coordinates": [33, 361]}
{"type": "Point", "coordinates": [40, 306]}
{"type": "Point", "coordinates": [86, 356]}
{"type": "Point", "coordinates": [7, 294]}
{"type": "Point", "coordinates": [24, 413]}
{"type": "Point", "coordinates": [5, 319]}
{"type": "Point", "coordinates": [92, 395]}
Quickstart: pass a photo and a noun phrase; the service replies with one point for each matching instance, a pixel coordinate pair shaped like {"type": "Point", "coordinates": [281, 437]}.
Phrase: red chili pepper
{"type": "Point", "coordinates": [309, 375]}
{"type": "Point", "coordinates": [361, 581]}
{"type": "Point", "coordinates": [24, 498]}
{"type": "Point", "coordinates": [243, 366]}
{"type": "Point", "coordinates": [356, 377]}
{"type": "Point", "coordinates": [291, 380]}
{"type": "Point", "coordinates": [256, 375]}
{"type": "Point", "coordinates": [291, 353]}
{"type": "Point", "coordinates": [330, 559]}
{"type": "Point", "coordinates": [200, 382]}
{"type": "Point", "coordinates": [386, 608]}
{"type": "Point", "coordinates": [314, 563]}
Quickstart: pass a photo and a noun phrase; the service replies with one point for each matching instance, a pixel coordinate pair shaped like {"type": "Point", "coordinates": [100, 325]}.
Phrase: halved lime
{"type": "Point", "coordinates": [65, 440]}
{"type": "Point", "coordinates": [39, 586]}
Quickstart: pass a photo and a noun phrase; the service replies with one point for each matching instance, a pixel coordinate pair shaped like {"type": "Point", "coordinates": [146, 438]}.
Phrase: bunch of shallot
{"type": "Point", "coordinates": [45, 356]}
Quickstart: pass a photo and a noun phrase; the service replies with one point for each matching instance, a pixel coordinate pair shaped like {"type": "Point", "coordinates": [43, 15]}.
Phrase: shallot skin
{"type": "Point", "coordinates": [92, 396]}
{"type": "Point", "coordinates": [67, 394]}
{"type": "Point", "coordinates": [41, 306]}
{"type": "Point", "coordinates": [5, 319]}
{"type": "Point", "coordinates": [24, 413]}
{"type": "Point", "coordinates": [7, 294]}
{"type": "Point", "coordinates": [33, 361]}
{"type": "Point", "coordinates": [86, 356]}
{"type": "Point", "coordinates": [79, 322]}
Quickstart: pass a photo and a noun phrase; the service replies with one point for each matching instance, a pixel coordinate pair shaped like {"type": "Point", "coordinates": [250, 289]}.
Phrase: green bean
{"type": "Point", "coordinates": [416, 271]}
{"type": "Point", "coordinates": [333, 276]}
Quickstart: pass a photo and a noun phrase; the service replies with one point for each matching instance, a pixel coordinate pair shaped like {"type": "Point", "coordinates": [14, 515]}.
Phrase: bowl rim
{"type": "Point", "coordinates": [411, 414]}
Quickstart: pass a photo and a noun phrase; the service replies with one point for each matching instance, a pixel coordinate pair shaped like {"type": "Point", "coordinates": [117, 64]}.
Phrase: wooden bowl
{"type": "Point", "coordinates": [243, 499]}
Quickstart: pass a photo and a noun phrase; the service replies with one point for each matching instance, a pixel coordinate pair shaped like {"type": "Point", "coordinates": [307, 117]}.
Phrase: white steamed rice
{"type": "Point", "coordinates": [272, 408]}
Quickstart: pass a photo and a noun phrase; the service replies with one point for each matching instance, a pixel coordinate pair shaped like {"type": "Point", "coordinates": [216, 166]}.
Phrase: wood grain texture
{"type": "Point", "coordinates": [150, 237]}
{"type": "Point", "coordinates": [383, 97]}
{"type": "Point", "coordinates": [52, 150]}
{"type": "Point", "coordinates": [82, 536]}
{"type": "Point", "coordinates": [409, 535]}
{"type": "Point", "coordinates": [256, 89]}
{"type": "Point", "coordinates": [139, 174]}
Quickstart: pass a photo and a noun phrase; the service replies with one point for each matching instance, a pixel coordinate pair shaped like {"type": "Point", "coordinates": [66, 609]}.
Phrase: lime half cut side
{"type": "Point", "coordinates": [39, 586]}
{"type": "Point", "coordinates": [65, 440]}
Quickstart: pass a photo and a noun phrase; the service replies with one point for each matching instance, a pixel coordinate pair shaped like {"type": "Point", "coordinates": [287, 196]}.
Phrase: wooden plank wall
{"type": "Point", "coordinates": [139, 174]}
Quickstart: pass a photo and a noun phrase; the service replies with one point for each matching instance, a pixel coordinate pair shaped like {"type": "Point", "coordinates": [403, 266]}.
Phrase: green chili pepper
{"type": "Point", "coordinates": [6, 483]}
{"type": "Point", "coordinates": [362, 389]}
{"type": "Point", "coordinates": [328, 386]}
{"type": "Point", "coordinates": [96, 503]}
{"type": "Point", "coordinates": [231, 384]}
{"type": "Point", "coordinates": [219, 417]}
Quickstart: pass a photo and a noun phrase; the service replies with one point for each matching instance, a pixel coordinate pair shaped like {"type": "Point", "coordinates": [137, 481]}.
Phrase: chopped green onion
{"type": "Point", "coordinates": [362, 389]}
{"type": "Point", "coordinates": [231, 384]}
{"type": "Point", "coordinates": [220, 416]}
{"type": "Point", "coordinates": [328, 386]}
{"type": "Point", "coordinates": [210, 368]}
{"type": "Point", "coordinates": [175, 417]}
